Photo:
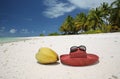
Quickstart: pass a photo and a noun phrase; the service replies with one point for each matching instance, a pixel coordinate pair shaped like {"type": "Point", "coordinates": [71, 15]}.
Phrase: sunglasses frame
{"type": "Point", "coordinates": [75, 48]}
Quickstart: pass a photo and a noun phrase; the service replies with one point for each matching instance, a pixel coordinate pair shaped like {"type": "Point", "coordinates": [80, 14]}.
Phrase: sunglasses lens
{"type": "Point", "coordinates": [82, 47]}
{"type": "Point", "coordinates": [73, 48]}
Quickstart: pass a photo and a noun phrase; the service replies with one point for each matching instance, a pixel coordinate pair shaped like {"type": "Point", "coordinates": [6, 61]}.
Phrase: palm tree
{"type": "Point", "coordinates": [115, 13]}
{"type": "Point", "coordinates": [94, 19]}
{"type": "Point", "coordinates": [79, 21]}
{"type": "Point", "coordinates": [102, 18]}
{"type": "Point", "coordinates": [105, 9]}
{"type": "Point", "coordinates": [63, 29]}
{"type": "Point", "coordinates": [68, 25]}
{"type": "Point", "coordinates": [105, 12]}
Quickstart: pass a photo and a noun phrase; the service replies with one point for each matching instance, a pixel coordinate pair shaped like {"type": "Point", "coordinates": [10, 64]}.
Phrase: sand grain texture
{"type": "Point", "coordinates": [17, 59]}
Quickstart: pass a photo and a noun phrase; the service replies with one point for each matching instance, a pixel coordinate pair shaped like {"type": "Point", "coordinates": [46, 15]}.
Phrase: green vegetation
{"type": "Point", "coordinates": [93, 32]}
{"type": "Point", "coordinates": [42, 35]}
{"type": "Point", "coordinates": [102, 19]}
{"type": "Point", "coordinates": [54, 34]}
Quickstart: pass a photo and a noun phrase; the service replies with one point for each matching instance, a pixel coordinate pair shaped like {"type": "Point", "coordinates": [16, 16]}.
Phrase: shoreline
{"type": "Point", "coordinates": [17, 39]}
{"type": "Point", "coordinates": [4, 40]}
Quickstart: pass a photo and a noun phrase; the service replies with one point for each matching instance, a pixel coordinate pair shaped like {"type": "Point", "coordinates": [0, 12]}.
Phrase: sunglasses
{"type": "Point", "coordinates": [75, 48]}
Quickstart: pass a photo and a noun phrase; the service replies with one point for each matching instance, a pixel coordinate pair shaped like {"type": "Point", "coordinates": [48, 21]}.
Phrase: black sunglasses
{"type": "Point", "coordinates": [75, 48]}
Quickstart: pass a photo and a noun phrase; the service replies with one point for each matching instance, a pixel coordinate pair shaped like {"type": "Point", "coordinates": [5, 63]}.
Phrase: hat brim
{"type": "Point", "coordinates": [89, 60]}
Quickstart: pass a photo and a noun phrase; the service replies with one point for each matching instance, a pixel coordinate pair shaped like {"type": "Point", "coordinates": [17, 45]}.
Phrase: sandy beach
{"type": "Point", "coordinates": [17, 59]}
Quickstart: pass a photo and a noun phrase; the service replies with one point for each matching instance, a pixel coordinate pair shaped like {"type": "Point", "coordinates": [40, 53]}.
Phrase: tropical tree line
{"type": "Point", "coordinates": [105, 18]}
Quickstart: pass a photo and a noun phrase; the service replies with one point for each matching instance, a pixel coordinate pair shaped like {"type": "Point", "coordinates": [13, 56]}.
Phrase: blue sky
{"type": "Point", "coordinates": [33, 17]}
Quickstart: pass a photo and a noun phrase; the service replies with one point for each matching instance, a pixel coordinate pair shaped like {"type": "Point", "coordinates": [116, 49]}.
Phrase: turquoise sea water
{"type": "Point", "coordinates": [10, 39]}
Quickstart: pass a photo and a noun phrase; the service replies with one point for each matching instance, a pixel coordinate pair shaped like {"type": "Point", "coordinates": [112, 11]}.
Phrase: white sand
{"type": "Point", "coordinates": [17, 59]}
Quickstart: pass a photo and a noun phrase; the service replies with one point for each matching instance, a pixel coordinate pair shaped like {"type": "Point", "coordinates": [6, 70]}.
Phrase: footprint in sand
{"type": "Point", "coordinates": [113, 77]}
{"type": "Point", "coordinates": [5, 50]}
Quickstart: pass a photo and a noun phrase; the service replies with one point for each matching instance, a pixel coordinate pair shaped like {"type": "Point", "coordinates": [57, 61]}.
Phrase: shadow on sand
{"type": "Point", "coordinates": [50, 64]}
{"type": "Point", "coordinates": [57, 63]}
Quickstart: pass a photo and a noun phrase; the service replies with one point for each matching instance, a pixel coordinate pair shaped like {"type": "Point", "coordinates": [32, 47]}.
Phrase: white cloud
{"type": "Point", "coordinates": [56, 8]}
{"type": "Point", "coordinates": [88, 4]}
{"type": "Point", "coordinates": [13, 31]}
{"type": "Point", "coordinates": [25, 31]}
{"type": "Point", "coordinates": [2, 29]}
